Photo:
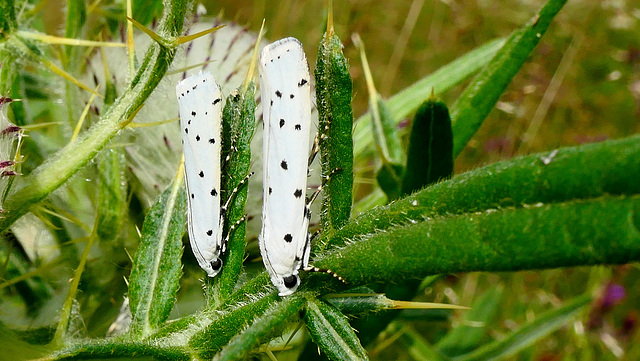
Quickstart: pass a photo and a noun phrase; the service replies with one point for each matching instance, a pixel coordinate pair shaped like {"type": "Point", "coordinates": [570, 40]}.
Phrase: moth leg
{"type": "Point", "coordinates": [325, 180]}
{"type": "Point", "coordinates": [231, 229]}
{"type": "Point", "coordinates": [235, 190]}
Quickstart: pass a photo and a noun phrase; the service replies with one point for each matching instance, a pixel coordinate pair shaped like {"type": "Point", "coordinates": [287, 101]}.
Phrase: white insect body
{"type": "Point", "coordinates": [200, 106]}
{"type": "Point", "coordinates": [286, 106]}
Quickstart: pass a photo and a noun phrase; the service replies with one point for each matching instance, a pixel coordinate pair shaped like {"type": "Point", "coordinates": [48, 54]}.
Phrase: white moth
{"type": "Point", "coordinates": [200, 106]}
{"type": "Point", "coordinates": [286, 108]}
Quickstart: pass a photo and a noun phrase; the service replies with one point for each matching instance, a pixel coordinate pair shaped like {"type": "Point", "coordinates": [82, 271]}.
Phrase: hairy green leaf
{"type": "Point", "coordinates": [600, 230]}
{"type": "Point", "coordinates": [157, 267]}
{"type": "Point", "coordinates": [332, 333]}
{"type": "Point", "coordinates": [429, 157]}
{"type": "Point", "coordinates": [333, 98]}
{"type": "Point", "coordinates": [238, 128]}
{"type": "Point", "coordinates": [585, 171]}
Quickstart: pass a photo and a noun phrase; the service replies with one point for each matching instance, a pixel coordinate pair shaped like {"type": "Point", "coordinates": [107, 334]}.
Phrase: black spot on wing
{"type": "Point", "coordinates": [217, 101]}
{"type": "Point", "coordinates": [210, 232]}
{"type": "Point", "coordinates": [298, 127]}
{"type": "Point", "coordinates": [284, 165]}
{"type": "Point", "coordinates": [201, 174]}
{"type": "Point", "coordinates": [213, 192]}
{"type": "Point", "coordinates": [281, 123]}
{"type": "Point", "coordinates": [302, 82]}
{"type": "Point", "coordinates": [298, 193]}
{"type": "Point", "coordinates": [212, 141]}
{"type": "Point", "coordinates": [270, 190]}
{"type": "Point", "coordinates": [288, 238]}
{"type": "Point", "coordinates": [278, 94]}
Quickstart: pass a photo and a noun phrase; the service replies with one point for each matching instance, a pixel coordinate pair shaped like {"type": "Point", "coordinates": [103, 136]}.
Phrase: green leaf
{"type": "Point", "coordinates": [589, 170]}
{"type": "Point", "coordinates": [409, 99]}
{"type": "Point", "coordinates": [330, 330]}
{"type": "Point", "coordinates": [269, 325]}
{"type": "Point", "coordinates": [112, 193]}
{"type": "Point", "coordinates": [238, 128]}
{"type": "Point", "coordinates": [385, 135]}
{"type": "Point", "coordinates": [474, 327]}
{"type": "Point", "coordinates": [221, 327]}
{"type": "Point", "coordinates": [600, 230]}
{"type": "Point", "coordinates": [122, 350]}
{"type": "Point", "coordinates": [333, 98]}
{"type": "Point", "coordinates": [386, 132]}
{"type": "Point", "coordinates": [360, 301]}
{"type": "Point", "coordinates": [529, 334]}
{"type": "Point", "coordinates": [481, 95]}
{"type": "Point", "coordinates": [157, 267]}
{"type": "Point", "coordinates": [389, 179]}
{"type": "Point", "coordinates": [429, 158]}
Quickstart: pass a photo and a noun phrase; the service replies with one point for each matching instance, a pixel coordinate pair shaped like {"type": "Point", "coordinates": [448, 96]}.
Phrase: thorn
{"type": "Point", "coordinates": [254, 60]}
{"type": "Point", "coordinates": [187, 38]}
{"type": "Point", "coordinates": [155, 37]}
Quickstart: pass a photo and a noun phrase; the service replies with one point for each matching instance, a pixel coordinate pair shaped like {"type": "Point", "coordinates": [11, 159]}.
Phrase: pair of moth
{"type": "Point", "coordinates": [286, 104]}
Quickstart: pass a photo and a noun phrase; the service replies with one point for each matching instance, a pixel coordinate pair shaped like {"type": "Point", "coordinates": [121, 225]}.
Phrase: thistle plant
{"type": "Point", "coordinates": [100, 185]}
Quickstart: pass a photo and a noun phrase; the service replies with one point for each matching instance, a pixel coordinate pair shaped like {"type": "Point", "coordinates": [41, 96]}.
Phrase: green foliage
{"type": "Point", "coordinates": [429, 157]}
{"type": "Point", "coordinates": [239, 125]}
{"type": "Point", "coordinates": [157, 269]}
{"type": "Point", "coordinates": [572, 206]}
{"type": "Point", "coordinates": [330, 330]}
{"type": "Point", "coordinates": [474, 104]}
{"type": "Point", "coordinates": [333, 94]}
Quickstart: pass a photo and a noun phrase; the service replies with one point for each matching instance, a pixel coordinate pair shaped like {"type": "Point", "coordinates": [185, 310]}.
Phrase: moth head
{"type": "Point", "coordinates": [213, 267]}
{"type": "Point", "coordinates": [288, 284]}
